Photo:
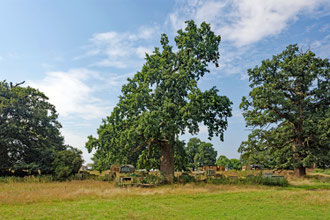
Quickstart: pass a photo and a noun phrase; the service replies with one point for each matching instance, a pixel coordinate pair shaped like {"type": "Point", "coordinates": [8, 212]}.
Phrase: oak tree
{"type": "Point", "coordinates": [163, 101]}
{"type": "Point", "coordinates": [289, 105]}
{"type": "Point", "coordinates": [30, 138]}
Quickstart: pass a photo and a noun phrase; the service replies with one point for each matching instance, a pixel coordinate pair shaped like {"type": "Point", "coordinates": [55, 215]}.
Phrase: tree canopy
{"type": "Point", "coordinates": [229, 163]}
{"type": "Point", "coordinates": [223, 161]}
{"type": "Point", "coordinates": [67, 162]}
{"type": "Point", "coordinates": [288, 108]}
{"type": "Point", "coordinates": [200, 153]}
{"type": "Point", "coordinates": [29, 131]}
{"type": "Point", "coordinates": [163, 101]}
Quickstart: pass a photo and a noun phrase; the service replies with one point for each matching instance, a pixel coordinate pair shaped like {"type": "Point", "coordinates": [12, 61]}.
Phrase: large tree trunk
{"type": "Point", "coordinates": [300, 171]}
{"type": "Point", "coordinates": [298, 144]}
{"type": "Point", "coordinates": [167, 161]}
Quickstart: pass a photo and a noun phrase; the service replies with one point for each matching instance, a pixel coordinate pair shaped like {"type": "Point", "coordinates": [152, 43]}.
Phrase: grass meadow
{"type": "Point", "coordinates": [303, 199]}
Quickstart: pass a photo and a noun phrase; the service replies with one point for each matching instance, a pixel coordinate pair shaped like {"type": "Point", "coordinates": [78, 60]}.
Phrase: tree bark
{"type": "Point", "coordinates": [167, 161]}
{"type": "Point", "coordinates": [300, 171]}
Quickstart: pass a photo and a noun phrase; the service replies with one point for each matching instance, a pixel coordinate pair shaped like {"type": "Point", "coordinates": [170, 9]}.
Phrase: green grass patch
{"type": "Point", "coordinates": [322, 171]}
{"type": "Point", "coordinates": [254, 203]}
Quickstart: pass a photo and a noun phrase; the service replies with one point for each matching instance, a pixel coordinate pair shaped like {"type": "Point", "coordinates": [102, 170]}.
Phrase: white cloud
{"type": "Point", "coordinates": [70, 94]}
{"type": "Point", "coordinates": [121, 50]}
{"type": "Point", "coordinates": [209, 10]}
{"type": "Point", "coordinates": [244, 22]}
{"type": "Point", "coordinates": [254, 20]}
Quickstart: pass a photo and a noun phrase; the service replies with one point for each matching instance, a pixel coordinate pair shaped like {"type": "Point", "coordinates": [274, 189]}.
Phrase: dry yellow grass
{"type": "Point", "coordinates": [24, 193]}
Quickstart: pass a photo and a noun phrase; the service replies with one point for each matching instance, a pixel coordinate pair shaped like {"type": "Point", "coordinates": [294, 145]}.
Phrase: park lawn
{"type": "Point", "coordinates": [99, 200]}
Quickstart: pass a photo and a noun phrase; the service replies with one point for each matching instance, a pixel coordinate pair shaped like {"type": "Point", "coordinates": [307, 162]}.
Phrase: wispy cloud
{"type": "Point", "coordinates": [71, 94]}
{"type": "Point", "coordinates": [244, 22]}
{"type": "Point", "coordinates": [121, 50]}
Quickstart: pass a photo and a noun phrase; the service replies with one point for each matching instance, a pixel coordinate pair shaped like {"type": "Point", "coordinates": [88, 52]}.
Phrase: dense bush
{"type": "Point", "coordinates": [185, 178]}
{"type": "Point", "coordinates": [152, 179]}
{"type": "Point", "coordinates": [67, 163]}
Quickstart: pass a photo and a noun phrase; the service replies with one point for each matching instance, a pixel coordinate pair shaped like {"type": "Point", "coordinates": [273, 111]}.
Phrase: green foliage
{"type": "Point", "coordinates": [67, 163]}
{"type": "Point", "coordinates": [223, 161]}
{"type": "Point", "coordinates": [100, 163]}
{"type": "Point", "coordinates": [200, 153]}
{"type": "Point", "coordinates": [251, 180]}
{"type": "Point", "coordinates": [231, 164]}
{"type": "Point", "coordinates": [29, 131]}
{"type": "Point", "coordinates": [152, 179]}
{"type": "Point", "coordinates": [235, 164]}
{"type": "Point", "coordinates": [192, 148]}
{"type": "Point", "coordinates": [149, 158]}
{"type": "Point", "coordinates": [185, 178]}
{"type": "Point", "coordinates": [180, 156]}
{"type": "Point", "coordinates": [163, 101]}
{"type": "Point", "coordinates": [206, 155]}
{"type": "Point", "coordinates": [254, 151]}
{"type": "Point", "coordinates": [288, 108]}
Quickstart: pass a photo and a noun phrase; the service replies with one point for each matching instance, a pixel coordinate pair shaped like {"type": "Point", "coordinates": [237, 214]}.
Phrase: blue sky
{"type": "Point", "coordinates": [80, 52]}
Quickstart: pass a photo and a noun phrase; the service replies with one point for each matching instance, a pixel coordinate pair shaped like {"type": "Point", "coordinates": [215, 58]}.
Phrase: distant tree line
{"type": "Point", "coordinates": [30, 139]}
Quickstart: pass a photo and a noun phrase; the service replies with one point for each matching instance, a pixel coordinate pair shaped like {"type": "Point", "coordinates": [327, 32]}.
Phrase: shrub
{"type": "Point", "coordinates": [185, 178]}
{"type": "Point", "coordinates": [67, 163]}
{"type": "Point", "coordinates": [152, 179]}
{"type": "Point", "coordinates": [251, 180]}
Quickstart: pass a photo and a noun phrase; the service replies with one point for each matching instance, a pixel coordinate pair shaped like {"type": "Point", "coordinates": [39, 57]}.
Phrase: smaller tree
{"type": "Point", "coordinates": [230, 164]}
{"type": "Point", "coordinates": [67, 162]}
{"type": "Point", "coordinates": [223, 161]}
{"type": "Point", "coordinates": [200, 153]}
{"type": "Point", "coordinates": [206, 155]}
{"type": "Point", "coordinates": [191, 150]}
{"type": "Point", "coordinates": [235, 164]}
